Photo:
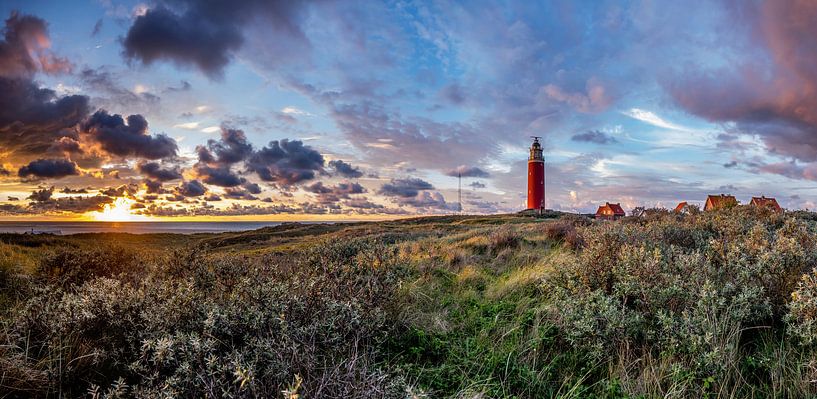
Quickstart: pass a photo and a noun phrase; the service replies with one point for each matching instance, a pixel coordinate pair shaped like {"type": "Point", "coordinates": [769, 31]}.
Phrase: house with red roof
{"type": "Point", "coordinates": [610, 211]}
{"type": "Point", "coordinates": [722, 201]}
{"type": "Point", "coordinates": [766, 202]}
{"type": "Point", "coordinates": [682, 207]}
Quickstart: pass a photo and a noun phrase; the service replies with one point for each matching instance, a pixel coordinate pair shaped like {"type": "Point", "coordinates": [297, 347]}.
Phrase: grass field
{"type": "Point", "coordinates": [720, 304]}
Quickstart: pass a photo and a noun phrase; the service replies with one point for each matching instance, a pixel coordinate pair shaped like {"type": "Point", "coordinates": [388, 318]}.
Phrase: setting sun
{"type": "Point", "coordinates": [118, 211]}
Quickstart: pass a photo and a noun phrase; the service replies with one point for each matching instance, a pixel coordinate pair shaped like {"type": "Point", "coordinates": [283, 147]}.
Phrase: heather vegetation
{"type": "Point", "coordinates": [720, 304]}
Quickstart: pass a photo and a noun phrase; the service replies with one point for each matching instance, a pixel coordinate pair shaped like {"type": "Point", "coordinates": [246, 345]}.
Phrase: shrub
{"type": "Point", "coordinates": [211, 325]}
{"type": "Point", "coordinates": [73, 266]}
{"type": "Point", "coordinates": [802, 315]}
{"type": "Point", "coordinates": [688, 288]}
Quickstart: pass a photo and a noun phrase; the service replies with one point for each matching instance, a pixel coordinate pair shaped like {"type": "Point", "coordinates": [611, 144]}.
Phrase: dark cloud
{"type": "Point", "coordinates": [183, 86]}
{"type": "Point", "coordinates": [66, 145]}
{"type": "Point", "coordinates": [97, 27]}
{"type": "Point", "coordinates": [33, 119]}
{"type": "Point", "coordinates": [207, 34]}
{"type": "Point", "coordinates": [730, 164]}
{"type": "Point", "coordinates": [239, 193]}
{"type": "Point", "coordinates": [191, 188]}
{"type": "Point", "coordinates": [362, 203]}
{"type": "Point", "coordinates": [154, 187]}
{"type": "Point", "coordinates": [186, 39]}
{"type": "Point", "coordinates": [286, 162]}
{"type": "Point", "coordinates": [467, 171]}
{"type": "Point", "coordinates": [131, 139]}
{"type": "Point", "coordinates": [218, 156]}
{"type": "Point", "coordinates": [344, 169]}
{"type": "Point", "coordinates": [405, 188]}
{"type": "Point", "coordinates": [252, 188]}
{"type": "Point", "coordinates": [221, 176]}
{"type": "Point", "coordinates": [43, 194]}
{"type": "Point", "coordinates": [121, 191]}
{"type": "Point", "coordinates": [594, 136]}
{"type": "Point", "coordinates": [155, 171]}
{"type": "Point", "coordinates": [232, 148]}
{"type": "Point", "coordinates": [333, 194]}
{"type": "Point", "coordinates": [68, 190]}
{"type": "Point", "coordinates": [476, 184]}
{"type": "Point", "coordinates": [48, 168]}
{"type": "Point", "coordinates": [72, 204]}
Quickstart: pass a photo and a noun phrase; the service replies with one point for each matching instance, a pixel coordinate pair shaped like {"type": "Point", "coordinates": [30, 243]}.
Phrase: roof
{"type": "Point", "coordinates": [765, 201]}
{"type": "Point", "coordinates": [720, 201]}
{"type": "Point", "coordinates": [681, 207]}
{"type": "Point", "coordinates": [615, 209]}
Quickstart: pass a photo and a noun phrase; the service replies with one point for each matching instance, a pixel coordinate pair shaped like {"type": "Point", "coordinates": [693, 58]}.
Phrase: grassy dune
{"type": "Point", "coordinates": [705, 305]}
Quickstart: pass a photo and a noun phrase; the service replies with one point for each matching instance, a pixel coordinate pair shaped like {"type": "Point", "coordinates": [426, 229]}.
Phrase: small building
{"type": "Point", "coordinates": [722, 201]}
{"type": "Point", "coordinates": [682, 207]}
{"type": "Point", "coordinates": [766, 202]}
{"type": "Point", "coordinates": [610, 211]}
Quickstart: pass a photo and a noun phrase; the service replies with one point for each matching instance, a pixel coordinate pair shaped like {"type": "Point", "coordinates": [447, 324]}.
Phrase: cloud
{"type": "Point", "coordinates": [97, 27]}
{"type": "Point", "coordinates": [68, 190]}
{"type": "Point", "coordinates": [770, 94]}
{"type": "Point", "coordinates": [386, 138]}
{"type": "Point", "coordinates": [186, 39]}
{"type": "Point", "coordinates": [24, 48]}
{"type": "Point", "coordinates": [652, 119]}
{"type": "Point", "coordinates": [595, 98]}
{"type": "Point", "coordinates": [239, 193]}
{"type": "Point", "coordinates": [109, 92]}
{"type": "Point", "coordinates": [191, 188]}
{"type": "Point", "coordinates": [404, 188]}
{"type": "Point", "coordinates": [206, 35]}
{"type": "Point", "coordinates": [233, 147]}
{"type": "Point", "coordinates": [344, 169]}
{"type": "Point", "coordinates": [43, 194]}
{"type": "Point", "coordinates": [362, 203]}
{"type": "Point", "coordinates": [221, 176]}
{"type": "Point", "coordinates": [426, 199]}
{"type": "Point", "coordinates": [594, 136]}
{"type": "Point", "coordinates": [121, 191]}
{"type": "Point", "coordinates": [467, 171]}
{"type": "Point", "coordinates": [333, 194]}
{"type": "Point", "coordinates": [155, 171]}
{"type": "Point", "coordinates": [285, 162]}
{"type": "Point", "coordinates": [33, 119]}
{"type": "Point", "coordinates": [71, 204]}
{"type": "Point", "coordinates": [476, 184]}
{"type": "Point", "coordinates": [154, 187]}
{"type": "Point", "coordinates": [48, 168]}
{"type": "Point", "coordinates": [218, 156]}
{"type": "Point", "coordinates": [131, 139]}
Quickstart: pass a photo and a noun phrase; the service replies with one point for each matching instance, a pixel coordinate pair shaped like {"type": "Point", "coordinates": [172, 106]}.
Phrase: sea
{"type": "Point", "coordinates": [64, 228]}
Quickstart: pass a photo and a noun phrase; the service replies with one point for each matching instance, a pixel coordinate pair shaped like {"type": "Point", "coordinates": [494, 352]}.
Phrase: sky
{"type": "Point", "coordinates": [302, 110]}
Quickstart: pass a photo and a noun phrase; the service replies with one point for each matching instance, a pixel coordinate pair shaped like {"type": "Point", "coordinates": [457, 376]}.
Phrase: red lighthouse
{"type": "Point", "coordinates": [536, 177]}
